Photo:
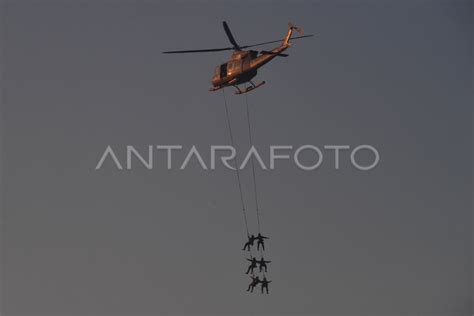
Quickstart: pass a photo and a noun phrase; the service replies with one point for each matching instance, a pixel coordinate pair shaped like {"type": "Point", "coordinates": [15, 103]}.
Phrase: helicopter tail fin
{"type": "Point", "coordinates": [291, 28]}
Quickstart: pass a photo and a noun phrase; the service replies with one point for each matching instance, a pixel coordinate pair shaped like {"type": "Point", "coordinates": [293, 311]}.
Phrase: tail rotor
{"type": "Point", "coordinates": [291, 28]}
{"type": "Point", "coordinates": [294, 27]}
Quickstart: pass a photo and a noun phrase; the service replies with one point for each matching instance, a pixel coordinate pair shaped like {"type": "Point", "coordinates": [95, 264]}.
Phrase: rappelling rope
{"type": "Point", "coordinates": [253, 165]}
{"type": "Point", "coordinates": [235, 163]}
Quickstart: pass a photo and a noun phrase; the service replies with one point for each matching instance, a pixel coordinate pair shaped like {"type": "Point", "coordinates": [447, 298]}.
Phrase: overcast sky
{"type": "Point", "coordinates": [79, 76]}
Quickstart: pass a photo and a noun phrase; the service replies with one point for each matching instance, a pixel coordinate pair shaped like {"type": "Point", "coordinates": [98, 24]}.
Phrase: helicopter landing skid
{"type": "Point", "coordinates": [249, 88]}
{"type": "Point", "coordinates": [215, 88]}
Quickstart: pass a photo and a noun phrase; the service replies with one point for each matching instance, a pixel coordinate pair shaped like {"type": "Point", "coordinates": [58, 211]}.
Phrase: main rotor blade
{"type": "Point", "coordinates": [198, 50]}
{"type": "Point", "coordinates": [276, 41]}
{"type": "Point", "coordinates": [230, 36]}
{"type": "Point", "coordinates": [227, 48]}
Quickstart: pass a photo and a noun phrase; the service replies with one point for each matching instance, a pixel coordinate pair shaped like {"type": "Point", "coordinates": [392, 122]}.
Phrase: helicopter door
{"type": "Point", "coordinates": [246, 63]}
{"type": "Point", "coordinates": [237, 66]}
{"type": "Point", "coordinates": [223, 73]}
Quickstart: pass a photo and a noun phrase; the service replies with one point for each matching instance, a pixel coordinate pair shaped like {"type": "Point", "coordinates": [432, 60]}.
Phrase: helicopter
{"type": "Point", "coordinates": [243, 64]}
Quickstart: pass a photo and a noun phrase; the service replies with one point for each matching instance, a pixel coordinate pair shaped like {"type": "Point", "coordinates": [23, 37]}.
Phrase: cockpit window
{"type": "Point", "coordinates": [223, 71]}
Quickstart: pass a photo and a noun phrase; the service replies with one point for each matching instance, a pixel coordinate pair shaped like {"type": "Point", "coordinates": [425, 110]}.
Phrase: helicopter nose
{"type": "Point", "coordinates": [215, 81]}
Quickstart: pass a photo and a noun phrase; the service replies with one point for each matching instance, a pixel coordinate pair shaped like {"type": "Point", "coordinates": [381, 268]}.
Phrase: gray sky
{"type": "Point", "coordinates": [79, 76]}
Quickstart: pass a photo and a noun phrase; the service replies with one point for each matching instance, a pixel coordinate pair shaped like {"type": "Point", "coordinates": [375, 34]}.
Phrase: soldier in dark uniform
{"type": "Point", "coordinates": [262, 264]}
{"type": "Point", "coordinates": [253, 284]}
{"type": "Point", "coordinates": [260, 239]}
{"type": "Point", "coordinates": [249, 242]}
{"type": "Point", "coordinates": [265, 283]}
{"type": "Point", "coordinates": [253, 265]}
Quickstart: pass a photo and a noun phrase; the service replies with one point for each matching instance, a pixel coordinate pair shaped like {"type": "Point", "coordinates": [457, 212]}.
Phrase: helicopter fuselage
{"type": "Point", "coordinates": [243, 66]}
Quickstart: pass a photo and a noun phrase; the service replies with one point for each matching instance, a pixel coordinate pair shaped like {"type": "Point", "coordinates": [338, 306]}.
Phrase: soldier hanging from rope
{"type": "Point", "coordinates": [262, 264]}
{"type": "Point", "coordinates": [250, 242]}
{"type": "Point", "coordinates": [253, 284]}
{"type": "Point", "coordinates": [264, 284]}
{"type": "Point", "coordinates": [253, 265]}
{"type": "Point", "coordinates": [260, 241]}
